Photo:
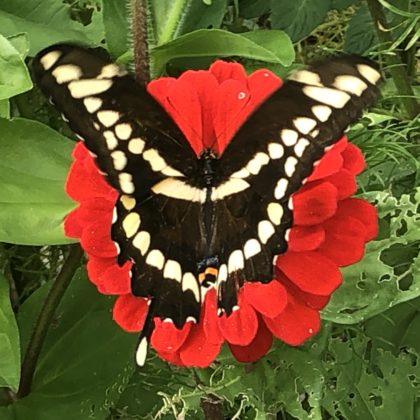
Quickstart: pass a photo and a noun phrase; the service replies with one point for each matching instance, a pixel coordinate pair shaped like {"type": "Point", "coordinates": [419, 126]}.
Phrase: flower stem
{"type": "Point", "coordinates": [139, 27]}
{"type": "Point", "coordinates": [396, 67]}
{"type": "Point", "coordinates": [45, 318]}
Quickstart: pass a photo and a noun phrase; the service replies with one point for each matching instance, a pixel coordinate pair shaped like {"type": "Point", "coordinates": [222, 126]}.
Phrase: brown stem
{"type": "Point", "coordinates": [396, 66]}
{"type": "Point", "coordinates": [45, 318]}
{"type": "Point", "coordinates": [212, 407]}
{"type": "Point", "coordinates": [140, 45]}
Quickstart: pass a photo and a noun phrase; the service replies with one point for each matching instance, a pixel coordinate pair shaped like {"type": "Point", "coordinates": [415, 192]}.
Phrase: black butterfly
{"type": "Point", "coordinates": [191, 223]}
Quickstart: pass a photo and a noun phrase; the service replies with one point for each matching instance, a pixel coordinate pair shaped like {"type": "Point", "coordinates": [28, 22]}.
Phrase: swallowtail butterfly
{"type": "Point", "coordinates": [192, 222]}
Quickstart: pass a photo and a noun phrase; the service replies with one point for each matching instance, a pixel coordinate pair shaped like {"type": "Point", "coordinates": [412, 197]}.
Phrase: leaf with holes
{"type": "Point", "coordinates": [390, 271]}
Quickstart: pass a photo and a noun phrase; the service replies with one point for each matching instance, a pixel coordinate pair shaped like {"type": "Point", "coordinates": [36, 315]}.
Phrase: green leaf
{"type": "Point", "coordinates": [4, 108]}
{"type": "Point", "coordinates": [14, 76]}
{"type": "Point", "coordinates": [45, 21]}
{"type": "Point", "coordinates": [360, 36]}
{"type": "Point", "coordinates": [253, 8]}
{"type": "Point", "coordinates": [390, 270]}
{"type": "Point", "coordinates": [85, 361]}
{"type": "Point", "coordinates": [172, 18]}
{"type": "Point", "coordinates": [218, 43]}
{"type": "Point", "coordinates": [115, 18]}
{"type": "Point", "coordinates": [298, 18]}
{"type": "Point", "coordinates": [33, 170]}
{"type": "Point", "coordinates": [9, 340]}
{"type": "Point", "coordinates": [21, 43]}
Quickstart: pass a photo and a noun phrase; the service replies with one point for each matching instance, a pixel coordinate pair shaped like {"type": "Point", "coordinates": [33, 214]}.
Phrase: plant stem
{"type": "Point", "coordinates": [396, 67]}
{"type": "Point", "coordinates": [45, 318]}
{"type": "Point", "coordinates": [139, 27]}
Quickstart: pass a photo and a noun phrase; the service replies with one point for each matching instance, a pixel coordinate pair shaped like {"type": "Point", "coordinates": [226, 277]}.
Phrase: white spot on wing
{"type": "Point", "coordinates": [110, 139]}
{"type": "Point", "coordinates": [189, 282]}
{"type": "Point", "coordinates": [289, 137]}
{"type": "Point", "coordinates": [108, 118]}
{"type": "Point", "coordinates": [230, 187]}
{"type": "Point", "coordinates": [155, 258]}
{"type": "Point", "coordinates": [66, 73]}
{"type": "Point", "coordinates": [128, 202]}
{"type": "Point", "coordinates": [290, 165]}
{"type": "Point", "coordinates": [174, 188]}
{"type": "Point", "coordinates": [304, 125]}
{"type": "Point", "coordinates": [169, 171]}
{"type": "Point", "coordinates": [142, 242]}
{"type": "Point", "coordinates": [222, 274]}
{"type": "Point", "coordinates": [281, 188]}
{"type": "Point", "coordinates": [49, 59]}
{"type": "Point", "coordinates": [156, 161]}
{"type": "Point", "coordinates": [265, 231]}
{"type": "Point", "coordinates": [131, 224]}
{"type": "Point", "coordinates": [257, 162]}
{"type": "Point", "coordinates": [126, 182]}
{"type": "Point", "coordinates": [322, 112]}
{"type": "Point", "coordinates": [111, 70]}
{"type": "Point", "coordinates": [141, 352]}
{"type": "Point", "coordinates": [252, 247]}
{"type": "Point", "coordinates": [300, 147]}
{"type": "Point", "coordinates": [275, 213]}
{"type": "Point", "coordinates": [275, 150]}
{"type": "Point", "coordinates": [136, 146]}
{"type": "Point", "coordinates": [369, 73]}
{"type": "Point", "coordinates": [307, 77]}
{"type": "Point", "coordinates": [242, 173]}
{"type": "Point", "coordinates": [92, 104]}
{"type": "Point", "coordinates": [351, 84]}
{"type": "Point", "coordinates": [88, 87]}
{"type": "Point", "coordinates": [332, 97]}
{"type": "Point", "coordinates": [119, 160]}
{"type": "Point", "coordinates": [173, 270]}
{"type": "Point", "coordinates": [123, 131]}
{"type": "Point", "coordinates": [236, 261]}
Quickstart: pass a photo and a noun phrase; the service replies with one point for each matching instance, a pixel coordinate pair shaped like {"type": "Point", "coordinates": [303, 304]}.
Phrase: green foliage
{"type": "Point", "coordinates": [9, 340]}
{"type": "Point", "coordinates": [365, 362]}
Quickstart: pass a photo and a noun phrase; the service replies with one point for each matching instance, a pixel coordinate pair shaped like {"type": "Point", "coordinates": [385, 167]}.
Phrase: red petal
{"type": "Point", "coordinates": [116, 280]}
{"type": "Point", "coordinates": [197, 350]}
{"type": "Point", "coordinates": [268, 299]}
{"type": "Point", "coordinates": [82, 185]}
{"type": "Point", "coordinates": [306, 238]}
{"type": "Point", "coordinates": [167, 337]}
{"type": "Point", "coordinates": [130, 312]}
{"type": "Point", "coordinates": [241, 326]}
{"type": "Point", "coordinates": [345, 183]}
{"type": "Point", "coordinates": [312, 301]}
{"type": "Point", "coordinates": [226, 71]}
{"type": "Point", "coordinates": [331, 162]}
{"type": "Point", "coordinates": [314, 203]}
{"type": "Point", "coordinates": [173, 358]}
{"type": "Point", "coordinates": [97, 266]}
{"type": "Point", "coordinates": [96, 240]}
{"type": "Point", "coordinates": [353, 159]}
{"type": "Point", "coordinates": [80, 152]}
{"type": "Point", "coordinates": [96, 209]}
{"type": "Point", "coordinates": [363, 211]}
{"type": "Point", "coordinates": [72, 226]}
{"type": "Point", "coordinates": [258, 347]}
{"type": "Point", "coordinates": [229, 114]}
{"type": "Point", "coordinates": [344, 240]}
{"type": "Point", "coordinates": [310, 271]}
{"type": "Point", "coordinates": [295, 324]}
{"type": "Point", "coordinates": [210, 318]}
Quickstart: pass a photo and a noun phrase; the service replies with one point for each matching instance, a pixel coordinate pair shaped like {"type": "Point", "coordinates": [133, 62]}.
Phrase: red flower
{"type": "Point", "coordinates": [330, 229]}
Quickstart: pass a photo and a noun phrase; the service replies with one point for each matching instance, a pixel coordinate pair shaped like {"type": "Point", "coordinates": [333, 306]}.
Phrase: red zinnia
{"type": "Point", "coordinates": [330, 228]}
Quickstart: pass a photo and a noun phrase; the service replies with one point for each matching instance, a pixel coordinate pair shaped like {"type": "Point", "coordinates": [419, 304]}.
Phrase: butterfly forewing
{"type": "Point", "coordinates": [182, 219]}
